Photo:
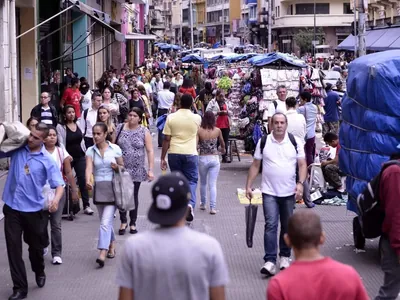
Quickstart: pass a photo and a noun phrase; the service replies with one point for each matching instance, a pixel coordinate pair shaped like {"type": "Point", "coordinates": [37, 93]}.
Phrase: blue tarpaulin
{"type": "Point", "coordinates": [370, 131]}
{"type": "Point", "coordinates": [192, 58]}
{"type": "Point", "coordinates": [277, 57]}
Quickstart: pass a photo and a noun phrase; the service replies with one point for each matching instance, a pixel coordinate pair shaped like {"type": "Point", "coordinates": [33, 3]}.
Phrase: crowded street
{"type": "Point", "coordinates": [78, 278]}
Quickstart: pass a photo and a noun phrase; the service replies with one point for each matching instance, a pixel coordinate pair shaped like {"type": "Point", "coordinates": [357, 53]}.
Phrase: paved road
{"type": "Point", "coordinates": [78, 278]}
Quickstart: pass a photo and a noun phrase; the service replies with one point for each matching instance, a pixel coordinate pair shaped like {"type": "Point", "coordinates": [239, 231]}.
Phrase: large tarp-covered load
{"type": "Point", "coordinates": [370, 131]}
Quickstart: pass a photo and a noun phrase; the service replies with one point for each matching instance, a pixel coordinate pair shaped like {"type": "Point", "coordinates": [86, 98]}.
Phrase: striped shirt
{"type": "Point", "coordinates": [46, 116]}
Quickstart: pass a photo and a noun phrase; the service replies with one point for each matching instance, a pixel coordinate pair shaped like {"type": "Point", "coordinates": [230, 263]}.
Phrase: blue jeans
{"type": "Point", "coordinates": [209, 168]}
{"type": "Point", "coordinates": [188, 166]}
{"type": "Point", "coordinates": [106, 230]}
{"type": "Point", "coordinates": [275, 208]}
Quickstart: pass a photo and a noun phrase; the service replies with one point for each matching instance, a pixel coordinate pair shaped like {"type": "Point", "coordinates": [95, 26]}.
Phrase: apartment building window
{"type": "Point", "coordinates": [346, 9]}
{"type": "Point", "coordinates": [253, 12]}
{"type": "Point", "coordinates": [308, 9]}
{"type": "Point", "coordinates": [290, 10]}
{"type": "Point", "coordinates": [185, 15]}
{"type": "Point", "coordinates": [214, 16]}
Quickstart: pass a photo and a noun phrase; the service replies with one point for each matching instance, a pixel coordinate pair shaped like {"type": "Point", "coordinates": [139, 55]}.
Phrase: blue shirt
{"type": "Point", "coordinates": [309, 111]}
{"type": "Point", "coordinates": [331, 107]}
{"type": "Point", "coordinates": [102, 170]}
{"type": "Point", "coordinates": [26, 178]}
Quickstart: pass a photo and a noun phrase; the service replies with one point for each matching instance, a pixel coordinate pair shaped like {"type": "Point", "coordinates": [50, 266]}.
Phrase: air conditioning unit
{"type": "Point", "coordinates": [226, 19]}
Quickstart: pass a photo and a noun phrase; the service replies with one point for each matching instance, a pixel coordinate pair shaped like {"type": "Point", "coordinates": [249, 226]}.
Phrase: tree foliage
{"type": "Point", "coordinates": [305, 37]}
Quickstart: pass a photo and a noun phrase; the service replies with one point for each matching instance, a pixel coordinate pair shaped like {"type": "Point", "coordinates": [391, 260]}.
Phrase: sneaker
{"type": "Point", "coordinates": [213, 211]}
{"type": "Point", "coordinates": [284, 262]}
{"type": "Point", "coordinates": [268, 269]}
{"type": "Point", "coordinates": [88, 211]}
{"type": "Point", "coordinates": [45, 251]}
{"type": "Point", "coordinates": [190, 214]}
{"type": "Point", "coordinates": [57, 260]}
{"type": "Point", "coordinates": [202, 206]}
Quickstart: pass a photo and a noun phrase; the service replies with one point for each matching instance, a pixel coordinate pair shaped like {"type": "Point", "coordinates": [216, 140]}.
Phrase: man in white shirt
{"type": "Point", "coordinates": [298, 127]}
{"type": "Point", "coordinates": [296, 121]}
{"type": "Point", "coordinates": [165, 100]}
{"type": "Point", "coordinates": [280, 155]}
{"type": "Point", "coordinates": [277, 106]}
{"type": "Point", "coordinates": [89, 119]}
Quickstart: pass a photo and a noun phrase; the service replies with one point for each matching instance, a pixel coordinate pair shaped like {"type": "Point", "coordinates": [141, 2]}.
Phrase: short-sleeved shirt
{"type": "Point", "coordinates": [102, 170]}
{"type": "Point", "coordinates": [73, 97]}
{"type": "Point", "coordinates": [182, 126]}
{"type": "Point", "coordinates": [310, 112]}
{"type": "Point", "coordinates": [323, 279]}
{"type": "Point", "coordinates": [159, 265]}
{"type": "Point", "coordinates": [331, 107]}
{"type": "Point", "coordinates": [279, 161]}
{"type": "Point", "coordinates": [280, 108]}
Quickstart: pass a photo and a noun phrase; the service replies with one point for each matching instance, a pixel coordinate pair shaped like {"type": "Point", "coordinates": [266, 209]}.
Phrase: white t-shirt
{"type": "Point", "coordinates": [174, 263]}
{"type": "Point", "coordinates": [279, 165]}
{"type": "Point", "coordinates": [296, 124]}
{"type": "Point", "coordinates": [280, 108]}
{"type": "Point", "coordinates": [87, 100]}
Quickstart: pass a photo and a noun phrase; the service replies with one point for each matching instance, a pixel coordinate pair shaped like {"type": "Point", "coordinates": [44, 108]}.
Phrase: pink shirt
{"type": "Point", "coordinates": [324, 279]}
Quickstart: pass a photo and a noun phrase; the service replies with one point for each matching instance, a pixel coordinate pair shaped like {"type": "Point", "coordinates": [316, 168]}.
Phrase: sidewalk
{"type": "Point", "coordinates": [78, 278]}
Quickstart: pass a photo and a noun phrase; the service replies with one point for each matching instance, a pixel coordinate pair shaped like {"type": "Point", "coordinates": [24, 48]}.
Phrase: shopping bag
{"type": "Point", "coordinates": [123, 190]}
{"type": "Point", "coordinates": [251, 217]}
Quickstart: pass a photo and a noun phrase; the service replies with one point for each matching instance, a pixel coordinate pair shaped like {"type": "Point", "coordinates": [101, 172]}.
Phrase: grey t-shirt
{"type": "Point", "coordinates": [172, 264]}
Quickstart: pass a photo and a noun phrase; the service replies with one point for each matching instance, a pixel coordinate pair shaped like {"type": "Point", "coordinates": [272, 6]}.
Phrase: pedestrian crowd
{"type": "Point", "coordinates": [79, 137]}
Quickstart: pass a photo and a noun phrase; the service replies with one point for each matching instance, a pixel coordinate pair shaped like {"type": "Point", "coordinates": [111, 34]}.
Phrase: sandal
{"type": "Point", "coordinates": [133, 230]}
{"type": "Point", "coordinates": [111, 253]}
{"type": "Point", "coordinates": [122, 231]}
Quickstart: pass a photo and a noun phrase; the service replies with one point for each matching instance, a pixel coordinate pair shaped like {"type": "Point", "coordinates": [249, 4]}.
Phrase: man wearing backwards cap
{"type": "Point", "coordinates": [155, 263]}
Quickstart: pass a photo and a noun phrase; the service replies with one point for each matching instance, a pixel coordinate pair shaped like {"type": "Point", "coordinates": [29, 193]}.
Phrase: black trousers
{"type": "Point", "coordinates": [79, 164]}
{"type": "Point", "coordinates": [132, 213]}
{"type": "Point", "coordinates": [161, 112]}
{"type": "Point", "coordinates": [31, 226]}
{"type": "Point", "coordinates": [225, 136]}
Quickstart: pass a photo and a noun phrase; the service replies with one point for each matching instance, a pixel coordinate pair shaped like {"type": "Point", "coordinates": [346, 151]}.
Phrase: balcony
{"type": "Point", "coordinates": [198, 1]}
{"type": "Point", "coordinates": [308, 21]}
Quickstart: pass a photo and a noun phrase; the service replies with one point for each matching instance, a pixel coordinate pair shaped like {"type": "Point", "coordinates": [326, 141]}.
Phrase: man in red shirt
{"type": "Point", "coordinates": [322, 278]}
{"type": "Point", "coordinates": [389, 243]}
{"type": "Point", "coordinates": [72, 96]}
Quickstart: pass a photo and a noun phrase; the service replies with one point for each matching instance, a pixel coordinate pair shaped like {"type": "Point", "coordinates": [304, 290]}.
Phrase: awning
{"type": "Point", "coordinates": [140, 37]}
{"type": "Point", "coordinates": [375, 40]}
{"type": "Point", "coordinates": [100, 17]}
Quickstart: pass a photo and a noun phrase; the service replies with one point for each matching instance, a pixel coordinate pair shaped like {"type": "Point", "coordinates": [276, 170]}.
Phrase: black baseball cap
{"type": "Point", "coordinates": [171, 194]}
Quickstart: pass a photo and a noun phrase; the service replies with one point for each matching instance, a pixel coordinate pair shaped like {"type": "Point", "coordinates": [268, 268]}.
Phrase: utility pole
{"type": "Point", "coordinates": [315, 29]}
{"type": "Point", "coordinates": [191, 24]}
{"type": "Point", "coordinates": [361, 27]}
{"type": "Point", "coordinates": [223, 23]}
{"type": "Point", "coordinates": [355, 27]}
{"type": "Point", "coordinates": [181, 17]}
{"type": "Point", "coordinates": [269, 26]}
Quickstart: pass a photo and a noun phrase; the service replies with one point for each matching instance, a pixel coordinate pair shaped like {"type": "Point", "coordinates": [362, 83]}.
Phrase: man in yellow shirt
{"type": "Point", "coordinates": [180, 142]}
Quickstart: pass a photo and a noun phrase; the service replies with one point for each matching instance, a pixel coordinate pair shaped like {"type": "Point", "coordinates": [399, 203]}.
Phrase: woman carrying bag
{"type": "Point", "coordinates": [135, 141]}
{"type": "Point", "coordinates": [102, 160]}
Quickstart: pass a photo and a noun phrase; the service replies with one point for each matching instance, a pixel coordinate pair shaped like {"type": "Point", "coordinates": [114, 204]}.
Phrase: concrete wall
{"type": "Point", "coordinates": [29, 83]}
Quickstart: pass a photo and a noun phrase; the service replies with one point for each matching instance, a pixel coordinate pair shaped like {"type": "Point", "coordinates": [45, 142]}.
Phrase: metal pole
{"type": "Point", "coordinates": [361, 29]}
{"type": "Point", "coordinates": [223, 23]}
{"type": "Point", "coordinates": [269, 26]}
{"type": "Point", "coordinates": [181, 17]}
{"type": "Point", "coordinates": [355, 28]}
{"type": "Point", "coordinates": [315, 27]}
{"type": "Point", "coordinates": [13, 57]}
{"type": "Point", "coordinates": [191, 24]}
{"type": "Point", "coordinates": [45, 21]}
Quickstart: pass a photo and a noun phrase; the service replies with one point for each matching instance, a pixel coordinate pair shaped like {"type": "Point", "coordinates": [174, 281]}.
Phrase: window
{"type": "Point", "coordinates": [253, 12]}
{"type": "Point", "coordinates": [341, 38]}
{"type": "Point", "coordinates": [98, 2]}
{"type": "Point", "coordinates": [346, 9]}
{"type": "Point", "coordinates": [290, 10]}
{"type": "Point", "coordinates": [185, 15]}
{"type": "Point", "coordinates": [308, 9]}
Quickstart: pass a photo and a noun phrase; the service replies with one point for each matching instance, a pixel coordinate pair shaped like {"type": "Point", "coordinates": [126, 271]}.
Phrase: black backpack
{"type": "Point", "coordinates": [264, 141]}
{"type": "Point", "coordinates": [370, 212]}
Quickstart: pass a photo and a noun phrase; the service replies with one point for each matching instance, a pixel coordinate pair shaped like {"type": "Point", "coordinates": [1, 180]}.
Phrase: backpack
{"type": "Point", "coordinates": [264, 141]}
{"type": "Point", "coordinates": [371, 214]}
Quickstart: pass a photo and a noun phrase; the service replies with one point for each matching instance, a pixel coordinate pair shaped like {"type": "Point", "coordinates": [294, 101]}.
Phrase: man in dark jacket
{"type": "Point", "coordinates": [390, 240]}
{"type": "Point", "coordinates": [45, 112]}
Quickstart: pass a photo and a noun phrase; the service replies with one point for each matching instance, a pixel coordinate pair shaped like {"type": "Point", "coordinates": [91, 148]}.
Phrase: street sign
{"type": "Point", "coordinates": [286, 41]}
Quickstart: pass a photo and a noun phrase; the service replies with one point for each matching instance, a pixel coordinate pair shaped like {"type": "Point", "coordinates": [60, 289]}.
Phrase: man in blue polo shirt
{"type": "Point", "coordinates": [31, 166]}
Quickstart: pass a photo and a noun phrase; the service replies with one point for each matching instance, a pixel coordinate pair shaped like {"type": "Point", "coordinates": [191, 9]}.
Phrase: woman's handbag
{"type": "Point", "coordinates": [123, 190]}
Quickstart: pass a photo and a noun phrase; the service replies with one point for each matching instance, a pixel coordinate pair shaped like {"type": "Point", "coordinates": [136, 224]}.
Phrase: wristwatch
{"type": "Point", "coordinates": [301, 182]}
